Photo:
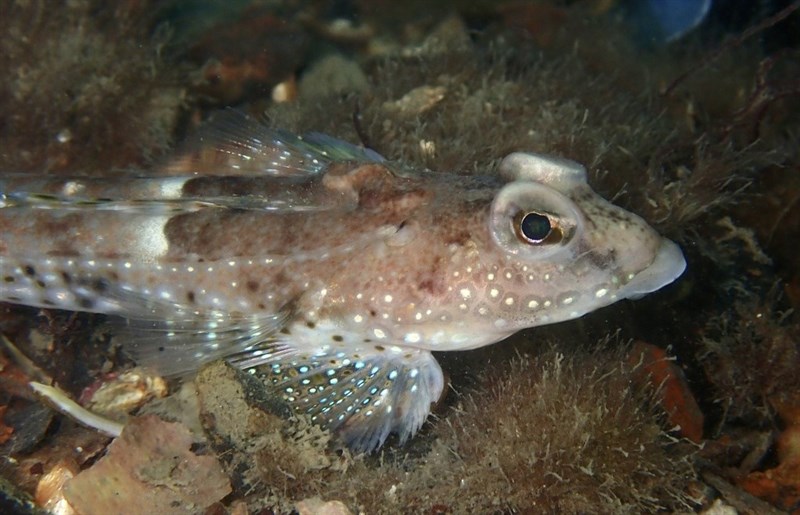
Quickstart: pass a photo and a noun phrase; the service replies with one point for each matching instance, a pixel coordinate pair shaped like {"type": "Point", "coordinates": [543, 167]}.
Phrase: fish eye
{"type": "Point", "coordinates": [536, 228]}
{"type": "Point", "coordinates": [534, 223]}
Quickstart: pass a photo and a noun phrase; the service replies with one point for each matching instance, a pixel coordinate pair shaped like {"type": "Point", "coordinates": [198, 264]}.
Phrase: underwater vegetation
{"type": "Point", "coordinates": [86, 87]}
{"type": "Point", "coordinates": [551, 433]}
{"type": "Point", "coordinates": [698, 136]}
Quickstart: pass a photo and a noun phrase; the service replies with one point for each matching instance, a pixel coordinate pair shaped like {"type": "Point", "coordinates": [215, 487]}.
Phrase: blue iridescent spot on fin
{"type": "Point", "coordinates": [362, 401]}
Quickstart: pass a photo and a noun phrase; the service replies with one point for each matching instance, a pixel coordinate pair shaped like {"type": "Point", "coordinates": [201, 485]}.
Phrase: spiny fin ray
{"type": "Point", "coordinates": [233, 143]}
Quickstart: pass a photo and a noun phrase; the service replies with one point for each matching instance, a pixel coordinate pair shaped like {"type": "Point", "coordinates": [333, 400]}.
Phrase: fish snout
{"type": "Point", "coordinates": [667, 265]}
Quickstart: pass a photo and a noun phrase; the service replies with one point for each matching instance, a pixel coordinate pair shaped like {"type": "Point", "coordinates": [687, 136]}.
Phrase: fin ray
{"type": "Point", "coordinates": [178, 346]}
{"type": "Point", "coordinates": [233, 143]}
{"type": "Point", "coordinates": [363, 395]}
{"type": "Point", "coordinates": [152, 196]}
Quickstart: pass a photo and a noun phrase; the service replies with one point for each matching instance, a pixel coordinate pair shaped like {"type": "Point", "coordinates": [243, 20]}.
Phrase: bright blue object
{"type": "Point", "coordinates": [678, 17]}
{"type": "Point", "coordinates": [663, 21]}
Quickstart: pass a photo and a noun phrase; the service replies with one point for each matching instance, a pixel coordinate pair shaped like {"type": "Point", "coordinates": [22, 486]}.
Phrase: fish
{"type": "Point", "coordinates": [319, 266]}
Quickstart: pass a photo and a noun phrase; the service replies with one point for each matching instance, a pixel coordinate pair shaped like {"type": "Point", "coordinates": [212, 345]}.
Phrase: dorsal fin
{"type": "Point", "coordinates": [233, 143]}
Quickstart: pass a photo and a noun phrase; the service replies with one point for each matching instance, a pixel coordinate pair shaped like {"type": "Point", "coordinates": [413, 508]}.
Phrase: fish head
{"type": "Point", "coordinates": [557, 250]}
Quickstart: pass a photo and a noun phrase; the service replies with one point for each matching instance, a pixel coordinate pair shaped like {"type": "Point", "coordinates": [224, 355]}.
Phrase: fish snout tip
{"type": "Point", "coordinates": [665, 268]}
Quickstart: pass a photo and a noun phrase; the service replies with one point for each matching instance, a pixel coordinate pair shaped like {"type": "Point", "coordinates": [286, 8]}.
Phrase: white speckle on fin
{"type": "Point", "coordinates": [363, 394]}
{"type": "Point", "coordinates": [183, 342]}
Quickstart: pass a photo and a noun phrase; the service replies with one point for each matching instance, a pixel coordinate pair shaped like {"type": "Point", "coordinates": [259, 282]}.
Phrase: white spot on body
{"type": "Point", "coordinates": [172, 188]}
{"type": "Point", "coordinates": [459, 338]}
{"type": "Point", "coordinates": [412, 337]}
{"type": "Point", "coordinates": [72, 187]}
{"type": "Point", "coordinates": [151, 241]}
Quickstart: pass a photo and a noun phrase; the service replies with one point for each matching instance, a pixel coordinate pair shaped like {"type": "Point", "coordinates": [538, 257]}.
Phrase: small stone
{"type": "Point", "coordinates": [332, 75]}
{"type": "Point", "coordinates": [149, 468]}
{"type": "Point", "coordinates": [416, 101]}
{"type": "Point", "coordinates": [50, 489]}
{"type": "Point", "coordinates": [316, 506]}
{"type": "Point", "coordinates": [124, 393]}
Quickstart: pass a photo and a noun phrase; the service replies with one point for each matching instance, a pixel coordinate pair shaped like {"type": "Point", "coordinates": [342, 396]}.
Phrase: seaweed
{"type": "Point", "coordinates": [87, 87]}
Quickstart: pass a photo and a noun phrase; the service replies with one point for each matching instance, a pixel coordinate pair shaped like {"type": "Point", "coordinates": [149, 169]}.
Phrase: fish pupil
{"type": "Point", "coordinates": [534, 227]}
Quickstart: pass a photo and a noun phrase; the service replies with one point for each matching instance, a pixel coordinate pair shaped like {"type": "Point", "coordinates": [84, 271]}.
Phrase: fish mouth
{"type": "Point", "coordinates": [667, 266]}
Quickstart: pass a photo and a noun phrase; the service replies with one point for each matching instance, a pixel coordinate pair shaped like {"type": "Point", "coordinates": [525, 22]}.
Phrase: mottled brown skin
{"type": "Point", "coordinates": [414, 257]}
{"type": "Point", "coordinates": [347, 250]}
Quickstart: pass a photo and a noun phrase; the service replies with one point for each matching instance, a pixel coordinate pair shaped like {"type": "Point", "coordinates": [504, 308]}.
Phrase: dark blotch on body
{"type": "Point", "coordinates": [100, 285]}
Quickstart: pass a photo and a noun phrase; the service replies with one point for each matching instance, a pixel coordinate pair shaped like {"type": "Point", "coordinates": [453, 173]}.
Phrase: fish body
{"type": "Point", "coordinates": [323, 268]}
